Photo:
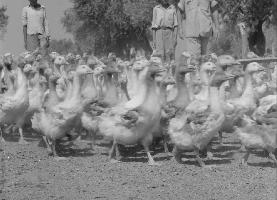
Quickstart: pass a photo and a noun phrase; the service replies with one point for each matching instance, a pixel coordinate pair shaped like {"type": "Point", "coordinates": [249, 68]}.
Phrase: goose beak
{"type": "Point", "coordinates": [261, 68]}
{"type": "Point", "coordinates": [156, 69]}
{"type": "Point", "coordinates": [191, 68]}
{"type": "Point", "coordinates": [229, 76]}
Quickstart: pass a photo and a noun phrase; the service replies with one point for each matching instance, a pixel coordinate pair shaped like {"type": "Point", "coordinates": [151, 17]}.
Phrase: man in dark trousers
{"type": "Point", "coordinates": [35, 26]}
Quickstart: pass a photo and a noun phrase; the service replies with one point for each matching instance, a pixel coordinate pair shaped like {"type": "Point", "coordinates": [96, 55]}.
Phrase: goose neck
{"type": "Point", "coordinates": [215, 100]}
{"type": "Point", "coordinates": [248, 91]}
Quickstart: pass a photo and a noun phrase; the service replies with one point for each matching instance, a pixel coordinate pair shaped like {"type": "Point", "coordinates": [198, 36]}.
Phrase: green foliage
{"type": "Point", "coordinates": [63, 47]}
{"type": "Point", "coordinates": [109, 25]}
{"type": "Point", "coordinates": [3, 19]}
{"type": "Point", "coordinates": [228, 42]}
{"type": "Point", "coordinates": [246, 10]}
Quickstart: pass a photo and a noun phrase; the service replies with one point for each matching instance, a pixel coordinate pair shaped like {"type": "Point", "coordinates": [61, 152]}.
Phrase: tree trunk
{"type": "Point", "coordinates": [244, 40]}
{"type": "Point", "coordinates": [256, 40]}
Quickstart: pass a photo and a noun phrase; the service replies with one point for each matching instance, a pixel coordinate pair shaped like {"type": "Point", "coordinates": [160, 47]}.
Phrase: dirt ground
{"type": "Point", "coordinates": [29, 173]}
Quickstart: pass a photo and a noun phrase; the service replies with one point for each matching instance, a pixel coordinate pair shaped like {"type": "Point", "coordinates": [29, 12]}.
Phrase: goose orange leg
{"type": "Point", "coordinates": [111, 153]}
{"type": "Point", "coordinates": [198, 159]}
{"type": "Point", "coordinates": [176, 154]}
{"type": "Point", "coordinates": [145, 143]}
{"type": "Point", "coordinates": [273, 157]}
{"type": "Point", "coordinates": [49, 150]}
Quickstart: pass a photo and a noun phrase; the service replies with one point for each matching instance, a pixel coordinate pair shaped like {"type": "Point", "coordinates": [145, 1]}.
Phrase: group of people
{"type": "Point", "coordinates": [190, 23]}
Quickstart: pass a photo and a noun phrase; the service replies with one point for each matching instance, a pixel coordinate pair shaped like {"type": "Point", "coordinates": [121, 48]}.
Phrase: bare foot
{"type": "Point", "coordinates": [22, 142]}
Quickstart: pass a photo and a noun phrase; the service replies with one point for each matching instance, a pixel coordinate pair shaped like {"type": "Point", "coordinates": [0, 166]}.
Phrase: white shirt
{"type": "Point", "coordinates": [36, 20]}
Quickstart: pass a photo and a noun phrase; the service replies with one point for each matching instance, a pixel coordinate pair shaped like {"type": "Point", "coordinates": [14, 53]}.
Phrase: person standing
{"type": "Point", "coordinates": [35, 26]}
{"type": "Point", "coordinates": [164, 27]}
{"type": "Point", "coordinates": [201, 22]}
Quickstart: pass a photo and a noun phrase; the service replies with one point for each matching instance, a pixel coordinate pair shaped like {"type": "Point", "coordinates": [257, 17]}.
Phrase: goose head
{"type": "Point", "coordinates": [166, 80]}
{"type": "Point", "coordinates": [43, 83]}
{"type": "Point", "coordinates": [209, 58]}
{"type": "Point", "coordinates": [78, 57]}
{"type": "Point", "coordinates": [70, 58]}
{"type": "Point", "coordinates": [60, 60]}
{"type": "Point", "coordinates": [99, 70]}
{"type": "Point", "coordinates": [207, 70]}
{"type": "Point", "coordinates": [29, 59]}
{"type": "Point", "coordinates": [38, 58]}
{"type": "Point", "coordinates": [29, 69]}
{"type": "Point", "coordinates": [220, 78]}
{"type": "Point", "coordinates": [53, 56]}
{"type": "Point", "coordinates": [70, 75]}
{"type": "Point", "coordinates": [53, 78]}
{"type": "Point", "coordinates": [140, 64]}
{"type": "Point", "coordinates": [8, 60]}
{"type": "Point", "coordinates": [226, 61]}
{"type": "Point", "coordinates": [254, 67]}
{"type": "Point", "coordinates": [91, 61]}
{"type": "Point", "coordinates": [83, 70]}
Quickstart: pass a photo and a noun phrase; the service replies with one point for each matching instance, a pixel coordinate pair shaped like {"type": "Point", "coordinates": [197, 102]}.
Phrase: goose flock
{"type": "Point", "coordinates": [187, 104]}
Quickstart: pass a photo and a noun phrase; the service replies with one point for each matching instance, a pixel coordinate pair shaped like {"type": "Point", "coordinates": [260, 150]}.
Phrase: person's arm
{"type": "Point", "coordinates": [24, 23]}
{"type": "Point", "coordinates": [154, 27]}
{"type": "Point", "coordinates": [46, 29]}
{"type": "Point", "coordinates": [215, 18]}
{"type": "Point", "coordinates": [180, 15]}
{"type": "Point", "coordinates": [180, 24]}
{"type": "Point", "coordinates": [175, 28]}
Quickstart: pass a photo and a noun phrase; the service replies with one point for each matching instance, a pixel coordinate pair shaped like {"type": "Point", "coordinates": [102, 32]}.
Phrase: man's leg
{"type": "Point", "coordinates": [33, 42]}
{"type": "Point", "coordinates": [194, 46]}
{"type": "Point", "coordinates": [160, 43]}
{"type": "Point", "coordinates": [42, 45]}
{"type": "Point", "coordinates": [169, 45]}
{"type": "Point", "coordinates": [204, 45]}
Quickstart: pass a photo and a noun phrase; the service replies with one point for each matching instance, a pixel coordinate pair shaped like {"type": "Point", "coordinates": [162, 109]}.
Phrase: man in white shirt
{"type": "Point", "coordinates": [35, 26]}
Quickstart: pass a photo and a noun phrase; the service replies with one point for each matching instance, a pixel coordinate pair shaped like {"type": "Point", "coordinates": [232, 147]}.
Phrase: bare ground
{"type": "Point", "coordinates": [29, 173]}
